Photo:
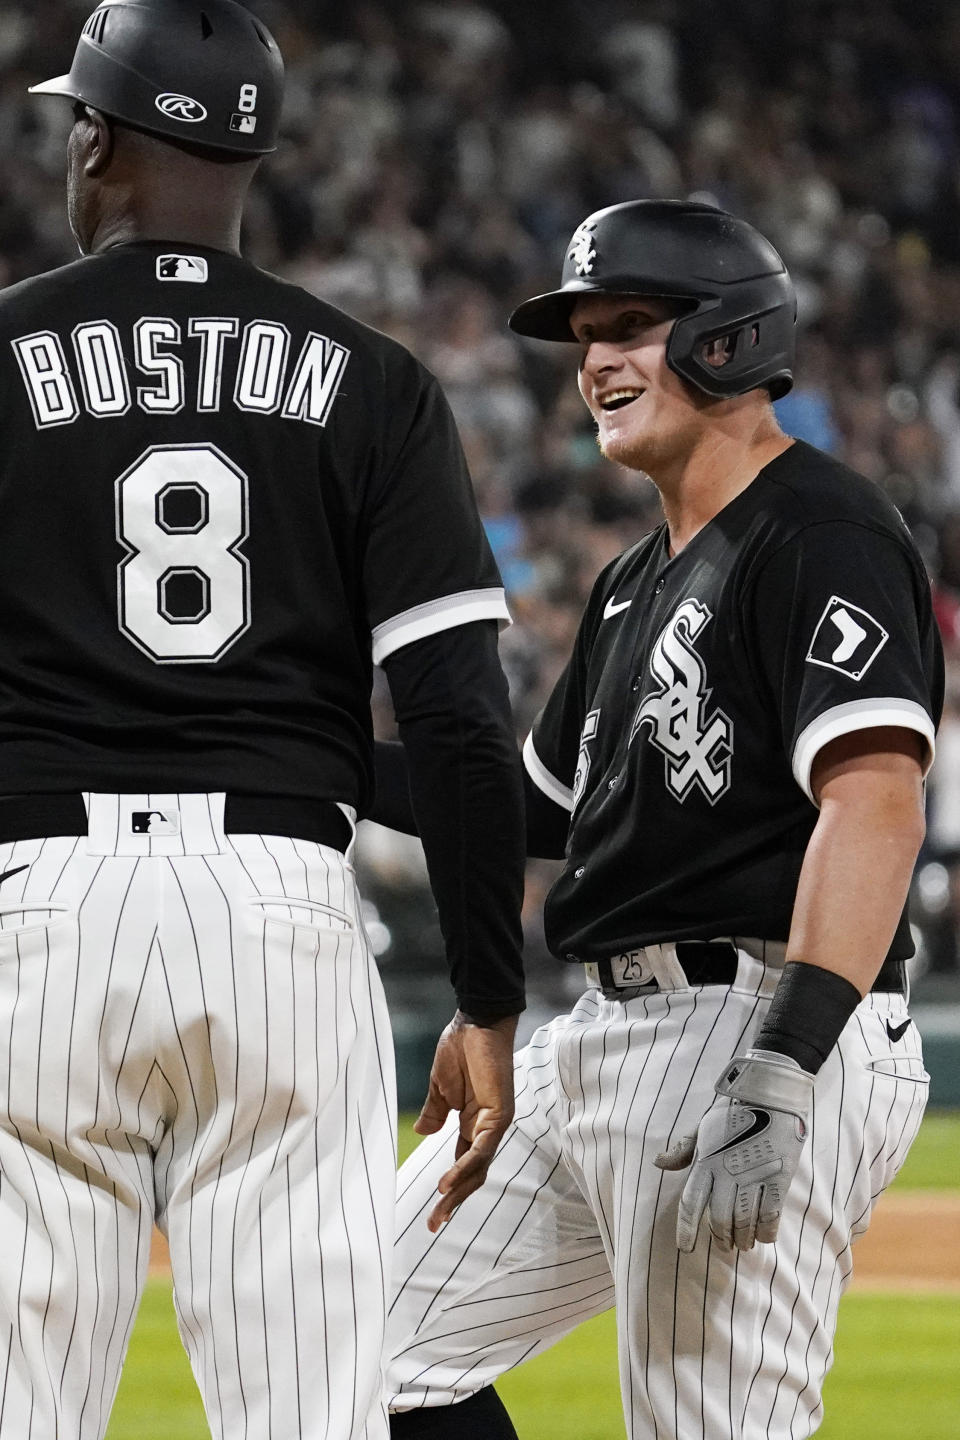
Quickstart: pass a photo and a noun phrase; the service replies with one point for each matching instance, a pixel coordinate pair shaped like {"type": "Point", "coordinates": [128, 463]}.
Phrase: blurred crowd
{"type": "Point", "coordinates": [438, 155]}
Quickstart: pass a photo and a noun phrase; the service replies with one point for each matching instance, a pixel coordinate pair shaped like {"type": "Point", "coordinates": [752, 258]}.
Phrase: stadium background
{"type": "Point", "coordinates": [436, 157]}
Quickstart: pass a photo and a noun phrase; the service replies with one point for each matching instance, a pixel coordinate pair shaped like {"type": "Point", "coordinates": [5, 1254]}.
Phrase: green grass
{"type": "Point", "coordinates": [895, 1374]}
{"type": "Point", "coordinates": [934, 1159]}
{"type": "Point", "coordinates": [573, 1391]}
{"type": "Point", "coordinates": [158, 1399]}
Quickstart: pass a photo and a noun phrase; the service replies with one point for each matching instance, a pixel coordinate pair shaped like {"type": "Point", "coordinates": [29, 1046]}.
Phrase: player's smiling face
{"type": "Point", "coordinates": [646, 415]}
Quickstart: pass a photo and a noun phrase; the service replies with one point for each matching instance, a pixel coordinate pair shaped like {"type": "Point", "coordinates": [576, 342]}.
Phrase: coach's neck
{"type": "Point", "coordinates": [125, 186]}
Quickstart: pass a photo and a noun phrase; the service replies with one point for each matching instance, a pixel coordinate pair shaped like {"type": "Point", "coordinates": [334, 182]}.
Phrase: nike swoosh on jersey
{"type": "Point", "coordinates": [895, 1032]}
{"type": "Point", "coordinates": [761, 1122]}
{"type": "Point", "coordinates": [611, 609]}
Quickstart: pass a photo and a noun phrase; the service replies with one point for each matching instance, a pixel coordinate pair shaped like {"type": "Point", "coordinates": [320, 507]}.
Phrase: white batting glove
{"type": "Point", "coordinates": [745, 1152]}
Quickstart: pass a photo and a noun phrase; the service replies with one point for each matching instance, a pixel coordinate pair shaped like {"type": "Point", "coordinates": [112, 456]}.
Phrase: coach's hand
{"type": "Point", "coordinates": [472, 1073]}
{"type": "Point", "coordinates": [745, 1152]}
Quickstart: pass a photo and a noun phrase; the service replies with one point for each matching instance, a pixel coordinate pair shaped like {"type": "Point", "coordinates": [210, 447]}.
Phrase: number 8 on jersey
{"type": "Point", "coordinates": [183, 591]}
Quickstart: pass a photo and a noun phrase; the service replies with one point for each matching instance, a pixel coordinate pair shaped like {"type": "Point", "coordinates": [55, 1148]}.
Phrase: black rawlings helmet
{"type": "Point", "coordinates": [206, 71]}
{"type": "Point", "coordinates": [728, 279]}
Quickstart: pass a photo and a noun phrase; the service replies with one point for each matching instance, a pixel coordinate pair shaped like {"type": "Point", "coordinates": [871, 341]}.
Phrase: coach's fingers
{"type": "Point", "coordinates": [467, 1175]}
{"type": "Point", "coordinates": [488, 1065]}
{"type": "Point", "coordinates": [679, 1156]}
{"type": "Point", "coordinates": [448, 1088]}
{"type": "Point", "coordinates": [433, 1113]}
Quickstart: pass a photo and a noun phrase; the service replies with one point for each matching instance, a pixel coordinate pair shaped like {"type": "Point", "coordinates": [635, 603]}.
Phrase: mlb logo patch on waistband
{"type": "Point", "coordinates": [155, 822]}
{"type": "Point", "coordinates": [189, 268]}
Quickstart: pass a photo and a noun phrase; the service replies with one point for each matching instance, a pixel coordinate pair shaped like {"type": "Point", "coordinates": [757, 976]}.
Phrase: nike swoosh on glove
{"type": "Point", "coordinates": [745, 1152]}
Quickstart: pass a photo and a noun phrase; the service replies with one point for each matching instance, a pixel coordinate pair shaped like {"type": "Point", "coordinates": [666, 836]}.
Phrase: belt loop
{"type": "Point", "coordinates": [350, 815]}
{"type": "Point", "coordinates": [667, 970]}
{"type": "Point", "coordinates": [756, 975]}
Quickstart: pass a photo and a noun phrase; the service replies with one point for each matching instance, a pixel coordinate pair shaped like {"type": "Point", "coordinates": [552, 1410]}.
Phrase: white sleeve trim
{"type": "Point", "coordinates": [541, 777]}
{"type": "Point", "coordinates": [859, 715]}
{"type": "Point", "coordinates": [436, 615]}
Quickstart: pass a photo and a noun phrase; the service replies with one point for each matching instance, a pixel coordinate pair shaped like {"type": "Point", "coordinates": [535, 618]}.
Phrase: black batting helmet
{"type": "Point", "coordinates": [728, 280]}
{"type": "Point", "coordinates": [206, 71]}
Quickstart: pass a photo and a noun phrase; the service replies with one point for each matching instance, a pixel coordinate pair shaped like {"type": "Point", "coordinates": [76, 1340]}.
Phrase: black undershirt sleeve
{"type": "Point", "coordinates": [547, 822]}
{"type": "Point", "coordinates": [465, 800]}
{"type": "Point", "coordinates": [392, 805]}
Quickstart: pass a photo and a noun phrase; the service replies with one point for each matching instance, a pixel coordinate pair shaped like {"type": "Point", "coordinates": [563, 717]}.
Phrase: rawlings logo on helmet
{"type": "Point", "coordinates": [181, 107]}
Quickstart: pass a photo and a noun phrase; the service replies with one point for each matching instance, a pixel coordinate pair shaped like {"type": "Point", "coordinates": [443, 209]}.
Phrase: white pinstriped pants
{"type": "Point", "coordinates": [197, 1037]}
{"type": "Point", "coordinates": [574, 1218]}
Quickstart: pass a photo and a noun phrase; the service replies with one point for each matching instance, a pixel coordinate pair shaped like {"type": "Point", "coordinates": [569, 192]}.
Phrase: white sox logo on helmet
{"type": "Point", "coordinates": [582, 251]}
{"type": "Point", "coordinates": [697, 746]}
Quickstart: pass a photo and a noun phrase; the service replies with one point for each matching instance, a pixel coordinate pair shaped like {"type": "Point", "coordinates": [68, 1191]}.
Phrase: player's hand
{"type": "Point", "coordinates": [745, 1152]}
{"type": "Point", "coordinates": [472, 1073]}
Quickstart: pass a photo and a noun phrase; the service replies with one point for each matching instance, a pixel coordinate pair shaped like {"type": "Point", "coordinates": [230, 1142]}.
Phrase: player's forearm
{"type": "Point", "coordinates": [853, 887]}
{"type": "Point", "coordinates": [857, 869]}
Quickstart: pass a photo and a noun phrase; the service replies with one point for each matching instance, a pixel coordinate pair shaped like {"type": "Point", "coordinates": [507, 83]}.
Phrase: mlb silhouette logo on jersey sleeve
{"type": "Point", "coordinates": [846, 639]}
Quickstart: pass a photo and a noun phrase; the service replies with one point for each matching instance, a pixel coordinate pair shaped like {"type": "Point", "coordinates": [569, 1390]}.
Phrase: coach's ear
{"type": "Point", "coordinates": [95, 141]}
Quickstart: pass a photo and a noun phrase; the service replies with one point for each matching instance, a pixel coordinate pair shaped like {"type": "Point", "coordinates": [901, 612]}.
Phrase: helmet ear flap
{"type": "Point", "coordinates": [721, 349]}
{"type": "Point", "coordinates": [752, 351]}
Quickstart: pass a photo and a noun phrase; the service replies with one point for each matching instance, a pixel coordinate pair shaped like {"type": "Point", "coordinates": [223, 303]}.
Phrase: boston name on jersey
{"type": "Point", "coordinates": [269, 376]}
{"type": "Point", "coordinates": [246, 497]}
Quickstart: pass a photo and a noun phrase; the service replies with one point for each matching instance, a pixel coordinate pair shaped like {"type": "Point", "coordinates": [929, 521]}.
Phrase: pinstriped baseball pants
{"type": "Point", "coordinates": [574, 1219]}
{"type": "Point", "coordinates": [192, 1031]}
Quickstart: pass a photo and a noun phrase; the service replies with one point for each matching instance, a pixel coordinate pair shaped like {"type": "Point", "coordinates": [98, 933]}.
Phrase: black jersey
{"type": "Point", "coordinates": [683, 731]}
{"type": "Point", "coordinates": [220, 500]}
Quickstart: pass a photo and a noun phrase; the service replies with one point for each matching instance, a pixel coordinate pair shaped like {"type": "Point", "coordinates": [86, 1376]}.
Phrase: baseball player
{"type": "Point", "coordinates": [732, 764]}
{"type": "Point", "coordinates": [220, 501]}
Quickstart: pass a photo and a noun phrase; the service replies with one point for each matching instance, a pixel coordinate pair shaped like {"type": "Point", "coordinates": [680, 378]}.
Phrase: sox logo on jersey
{"type": "Point", "coordinates": [698, 746]}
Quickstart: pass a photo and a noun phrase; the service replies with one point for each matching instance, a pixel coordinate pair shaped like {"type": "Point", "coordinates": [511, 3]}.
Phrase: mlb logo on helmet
{"type": "Point", "coordinates": [246, 124]}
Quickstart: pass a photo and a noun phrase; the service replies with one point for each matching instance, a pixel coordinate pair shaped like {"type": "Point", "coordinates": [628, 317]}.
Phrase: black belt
{"type": "Point", "coordinates": [37, 817]}
{"type": "Point", "coordinates": [714, 962]}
